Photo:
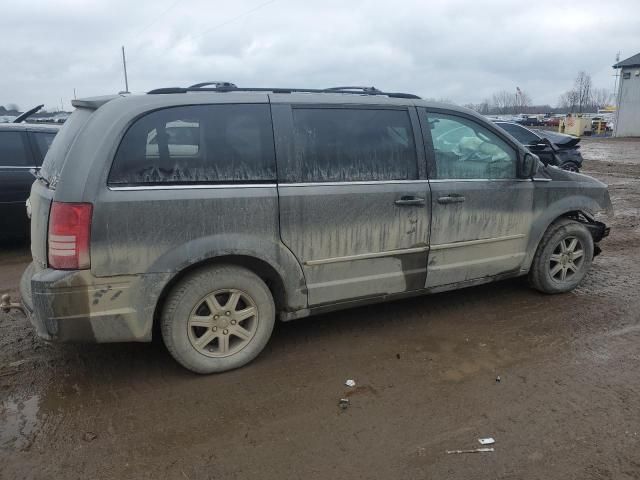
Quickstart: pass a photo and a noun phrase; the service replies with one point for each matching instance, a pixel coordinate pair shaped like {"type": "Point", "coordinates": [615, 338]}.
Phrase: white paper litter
{"type": "Point", "coordinates": [487, 441]}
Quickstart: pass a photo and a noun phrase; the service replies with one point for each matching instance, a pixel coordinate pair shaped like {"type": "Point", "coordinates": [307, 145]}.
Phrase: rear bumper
{"type": "Point", "coordinates": [75, 306]}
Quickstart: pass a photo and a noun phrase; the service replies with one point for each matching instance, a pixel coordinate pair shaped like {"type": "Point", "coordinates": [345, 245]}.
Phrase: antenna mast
{"type": "Point", "coordinates": [124, 66]}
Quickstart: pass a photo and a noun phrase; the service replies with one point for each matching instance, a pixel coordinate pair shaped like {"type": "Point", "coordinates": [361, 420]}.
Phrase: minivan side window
{"type": "Point", "coordinates": [464, 149]}
{"type": "Point", "coordinates": [351, 144]}
{"type": "Point", "coordinates": [13, 150]}
{"type": "Point", "coordinates": [197, 144]}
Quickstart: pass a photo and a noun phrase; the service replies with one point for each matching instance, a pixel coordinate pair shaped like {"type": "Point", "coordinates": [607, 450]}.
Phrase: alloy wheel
{"type": "Point", "coordinates": [223, 323]}
{"type": "Point", "coordinates": [566, 260]}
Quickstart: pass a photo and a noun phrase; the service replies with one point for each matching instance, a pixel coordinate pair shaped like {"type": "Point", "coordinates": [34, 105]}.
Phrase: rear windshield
{"type": "Point", "coordinates": [54, 160]}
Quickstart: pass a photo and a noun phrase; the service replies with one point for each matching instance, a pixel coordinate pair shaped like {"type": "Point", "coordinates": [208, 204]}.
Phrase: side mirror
{"type": "Point", "coordinates": [528, 165]}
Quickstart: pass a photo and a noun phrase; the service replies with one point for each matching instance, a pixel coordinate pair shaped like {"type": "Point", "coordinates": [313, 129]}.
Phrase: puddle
{"type": "Point", "coordinates": [19, 421]}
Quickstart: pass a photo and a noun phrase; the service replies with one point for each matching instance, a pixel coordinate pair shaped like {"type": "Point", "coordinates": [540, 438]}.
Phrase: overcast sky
{"type": "Point", "coordinates": [459, 50]}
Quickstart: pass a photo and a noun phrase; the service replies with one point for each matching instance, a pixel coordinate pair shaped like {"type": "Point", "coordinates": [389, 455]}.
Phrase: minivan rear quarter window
{"type": "Point", "coordinates": [352, 144]}
{"type": "Point", "coordinates": [197, 144]}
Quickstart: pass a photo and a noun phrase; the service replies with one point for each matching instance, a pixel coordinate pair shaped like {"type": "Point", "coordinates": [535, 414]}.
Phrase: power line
{"type": "Point", "coordinates": [231, 20]}
{"type": "Point", "coordinates": [207, 31]}
{"type": "Point", "coordinates": [160, 15]}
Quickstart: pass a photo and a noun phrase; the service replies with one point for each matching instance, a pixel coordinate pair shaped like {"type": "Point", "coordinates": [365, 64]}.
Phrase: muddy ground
{"type": "Point", "coordinates": [567, 404]}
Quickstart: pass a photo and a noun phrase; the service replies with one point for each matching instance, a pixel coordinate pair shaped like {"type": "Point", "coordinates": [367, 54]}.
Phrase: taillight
{"type": "Point", "coordinates": [69, 235]}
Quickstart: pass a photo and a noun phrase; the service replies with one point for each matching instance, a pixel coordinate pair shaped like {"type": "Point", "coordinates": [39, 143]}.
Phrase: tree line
{"type": "Point", "coordinates": [581, 98]}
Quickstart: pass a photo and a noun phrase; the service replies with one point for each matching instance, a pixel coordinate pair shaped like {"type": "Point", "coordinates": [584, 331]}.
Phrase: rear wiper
{"type": "Point", "coordinates": [36, 173]}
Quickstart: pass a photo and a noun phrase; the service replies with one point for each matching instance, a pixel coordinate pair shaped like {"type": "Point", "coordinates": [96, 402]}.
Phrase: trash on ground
{"type": "Point", "coordinates": [475, 450]}
{"type": "Point", "coordinates": [487, 441]}
{"type": "Point", "coordinates": [89, 436]}
{"type": "Point", "coordinates": [350, 383]}
{"type": "Point", "coordinates": [498, 379]}
{"type": "Point", "coordinates": [344, 403]}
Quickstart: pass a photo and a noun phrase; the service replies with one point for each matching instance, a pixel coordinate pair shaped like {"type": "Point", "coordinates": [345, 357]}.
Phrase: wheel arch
{"type": "Point", "coordinates": [542, 225]}
{"type": "Point", "coordinates": [260, 267]}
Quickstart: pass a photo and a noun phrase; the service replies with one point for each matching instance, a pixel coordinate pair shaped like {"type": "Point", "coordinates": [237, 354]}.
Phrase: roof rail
{"type": "Point", "coordinates": [220, 86]}
{"type": "Point", "coordinates": [367, 90]}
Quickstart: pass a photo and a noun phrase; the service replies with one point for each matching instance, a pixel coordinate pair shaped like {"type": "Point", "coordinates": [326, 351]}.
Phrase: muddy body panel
{"type": "Point", "coordinates": [372, 247]}
{"type": "Point", "coordinates": [79, 307]}
{"type": "Point", "coordinates": [483, 236]}
{"type": "Point", "coordinates": [189, 226]}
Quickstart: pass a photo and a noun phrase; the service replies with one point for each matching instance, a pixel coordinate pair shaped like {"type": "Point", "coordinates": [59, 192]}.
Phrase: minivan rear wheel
{"type": "Point", "coordinates": [563, 257]}
{"type": "Point", "coordinates": [217, 319]}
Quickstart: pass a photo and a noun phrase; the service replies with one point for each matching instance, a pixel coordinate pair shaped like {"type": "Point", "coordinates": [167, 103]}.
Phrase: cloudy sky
{"type": "Point", "coordinates": [459, 50]}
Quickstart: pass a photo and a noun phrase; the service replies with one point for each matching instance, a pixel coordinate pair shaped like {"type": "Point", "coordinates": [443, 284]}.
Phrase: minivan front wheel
{"type": "Point", "coordinates": [563, 257]}
{"type": "Point", "coordinates": [218, 319]}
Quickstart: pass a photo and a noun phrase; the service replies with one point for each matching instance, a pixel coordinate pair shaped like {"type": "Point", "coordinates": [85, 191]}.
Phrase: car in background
{"type": "Point", "coordinates": [551, 120]}
{"type": "Point", "coordinates": [560, 150]}
{"type": "Point", "coordinates": [531, 120]}
{"type": "Point", "coordinates": [22, 149]}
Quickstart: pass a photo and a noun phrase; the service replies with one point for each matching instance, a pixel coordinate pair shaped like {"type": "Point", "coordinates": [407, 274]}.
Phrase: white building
{"type": "Point", "coordinates": [628, 98]}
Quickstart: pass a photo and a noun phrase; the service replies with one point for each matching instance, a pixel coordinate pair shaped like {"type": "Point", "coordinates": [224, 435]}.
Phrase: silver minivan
{"type": "Point", "coordinates": [212, 210]}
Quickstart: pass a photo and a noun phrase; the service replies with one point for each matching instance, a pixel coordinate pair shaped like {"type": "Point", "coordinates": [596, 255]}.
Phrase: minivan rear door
{"type": "Point", "coordinates": [354, 198]}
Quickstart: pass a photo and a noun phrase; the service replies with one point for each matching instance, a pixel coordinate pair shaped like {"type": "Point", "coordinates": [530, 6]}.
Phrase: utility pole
{"type": "Point", "coordinates": [124, 65]}
{"type": "Point", "coordinates": [615, 83]}
{"type": "Point", "coordinates": [617, 98]}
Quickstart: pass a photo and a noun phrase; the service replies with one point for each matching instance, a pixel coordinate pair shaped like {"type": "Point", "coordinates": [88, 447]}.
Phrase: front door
{"type": "Point", "coordinates": [481, 211]}
{"type": "Point", "coordinates": [354, 199]}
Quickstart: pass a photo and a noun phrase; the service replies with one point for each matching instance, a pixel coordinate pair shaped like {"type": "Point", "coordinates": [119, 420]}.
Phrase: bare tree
{"type": "Point", "coordinates": [583, 97]}
{"type": "Point", "coordinates": [582, 87]}
{"type": "Point", "coordinates": [482, 107]}
{"type": "Point", "coordinates": [568, 101]}
{"type": "Point", "coordinates": [600, 98]}
{"type": "Point", "coordinates": [503, 101]}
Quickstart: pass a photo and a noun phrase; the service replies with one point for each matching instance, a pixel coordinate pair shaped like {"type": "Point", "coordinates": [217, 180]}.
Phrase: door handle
{"type": "Point", "coordinates": [408, 201]}
{"type": "Point", "coordinates": [451, 198]}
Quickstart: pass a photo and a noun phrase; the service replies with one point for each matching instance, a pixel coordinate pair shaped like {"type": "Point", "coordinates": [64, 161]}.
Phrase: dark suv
{"type": "Point", "coordinates": [210, 211]}
{"type": "Point", "coordinates": [22, 148]}
{"type": "Point", "coordinates": [551, 147]}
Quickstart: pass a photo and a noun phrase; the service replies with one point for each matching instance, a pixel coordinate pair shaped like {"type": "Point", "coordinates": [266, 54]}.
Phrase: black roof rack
{"type": "Point", "coordinates": [221, 86]}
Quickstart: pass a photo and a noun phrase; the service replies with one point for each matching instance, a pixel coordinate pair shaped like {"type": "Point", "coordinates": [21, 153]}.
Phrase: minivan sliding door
{"type": "Point", "coordinates": [354, 199]}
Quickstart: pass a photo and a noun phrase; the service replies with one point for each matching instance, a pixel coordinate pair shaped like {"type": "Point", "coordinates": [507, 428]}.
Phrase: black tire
{"type": "Point", "coordinates": [196, 298]}
{"type": "Point", "coordinates": [570, 167]}
{"type": "Point", "coordinates": [543, 275]}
